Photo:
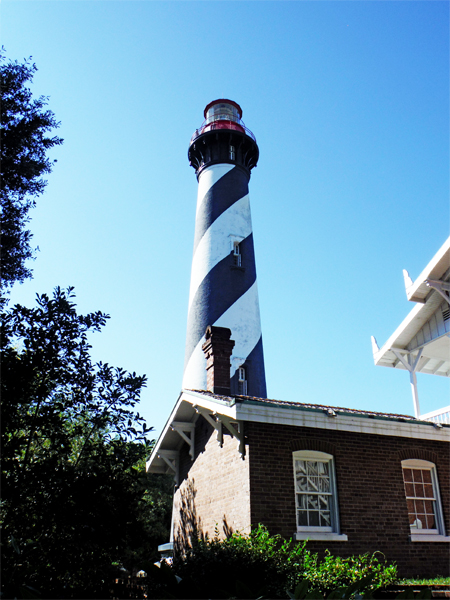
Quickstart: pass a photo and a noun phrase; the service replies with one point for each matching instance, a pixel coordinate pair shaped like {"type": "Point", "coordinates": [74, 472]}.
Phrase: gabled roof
{"type": "Point", "coordinates": [232, 412]}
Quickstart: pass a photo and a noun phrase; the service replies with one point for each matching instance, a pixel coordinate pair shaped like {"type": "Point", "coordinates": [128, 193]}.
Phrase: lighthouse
{"type": "Point", "coordinates": [223, 290]}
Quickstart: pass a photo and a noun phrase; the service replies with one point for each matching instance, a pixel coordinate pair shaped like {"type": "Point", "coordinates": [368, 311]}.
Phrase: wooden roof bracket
{"type": "Point", "coordinates": [187, 433]}
{"type": "Point", "coordinates": [236, 428]}
{"type": "Point", "coordinates": [171, 458]}
{"type": "Point", "coordinates": [213, 422]}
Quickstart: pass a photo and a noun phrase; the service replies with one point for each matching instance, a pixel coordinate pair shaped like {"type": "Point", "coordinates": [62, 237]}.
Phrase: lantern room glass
{"type": "Point", "coordinates": [222, 112]}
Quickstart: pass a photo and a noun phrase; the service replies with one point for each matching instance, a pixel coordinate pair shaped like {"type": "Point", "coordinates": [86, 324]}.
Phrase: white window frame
{"type": "Point", "coordinates": [237, 254]}
{"type": "Point", "coordinates": [235, 241]}
{"type": "Point", "coordinates": [331, 533]}
{"type": "Point", "coordinates": [242, 380]}
{"type": "Point", "coordinates": [428, 535]}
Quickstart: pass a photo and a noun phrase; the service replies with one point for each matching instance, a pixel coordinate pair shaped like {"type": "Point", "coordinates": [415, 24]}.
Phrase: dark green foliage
{"type": "Point", "coordinates": [76, 502]}
{"type": "Point", "coordinates": [335, 572]}
{"type": "Point", "coordinates": [360, 588]}
{"type": "Point", "coordinates": [263, 566]}
{"type": "Point", "coordinates": [26, 128]}
{"type": "Point", "coordinates": [438, 580]}
{"type": "Point", "coordinates": [259, 563]}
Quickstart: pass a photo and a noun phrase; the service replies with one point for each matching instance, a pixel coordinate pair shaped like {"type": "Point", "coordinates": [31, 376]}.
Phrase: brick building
{"type": "Point", "coordinates": [347, 480]}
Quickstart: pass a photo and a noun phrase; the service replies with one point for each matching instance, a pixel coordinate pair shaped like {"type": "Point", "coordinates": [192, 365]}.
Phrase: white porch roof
{"type": "Point", "coordinates": [421, 343]}
{"type": "Point", "coordinates": [427, 326]}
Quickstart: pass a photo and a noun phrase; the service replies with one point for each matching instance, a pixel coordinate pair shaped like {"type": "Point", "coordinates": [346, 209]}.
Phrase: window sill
{"type": "Point", "coordinates": [418, 537]}
{"type": "Point", "coordinates": [316, 535]}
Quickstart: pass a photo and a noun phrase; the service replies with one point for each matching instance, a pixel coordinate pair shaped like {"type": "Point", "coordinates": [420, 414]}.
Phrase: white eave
{"type": "Point", "coordinates": [425, 333]}
{"type": "Point", "coordinates": [424, 328]}
{"type": "Point", "coordinates": [228, 410]}
{"type": "Point", "coordinates": [436, 269]}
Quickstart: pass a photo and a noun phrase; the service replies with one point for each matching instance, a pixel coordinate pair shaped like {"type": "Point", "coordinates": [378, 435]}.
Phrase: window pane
{"type": "Point", "coordinates": [419, 491]}
{"type": "Point", "coordinates": [409, 487]}
{"type": "Point", "coordinates": [302, 517]}
{"type": "Point", "coordinates": [325, 519]}
{"type": "Point", "coordinates": [301, 501]}
{"type": "Point", "coordinates": [323, 502]}
{"type": "Point", "coordinates": [420, 507]}
{"type": "Point", "coordinates": [426, 476]}
{"type": "Point", "coordinates": [302, 485]}
{"type": "Point", "coordinates": [324, 469]}
{"type": "Point", "coordinates": [410, 504]}
{"type": "Point", "coordinates": [417, 475]}
{"type": "Point", "coordinates": [428, 490]}
{"type": "Point", "coordinates": [312, 468]}
{"type": "Point", "coordinates": [431, 522]}
{"type": "Point", "coordinates": [313, 518]}
{"type": "Point", "coordinates": [324, 484]}
{"type": "Point", "coordinates": [313, 503]}
{"type": "Point", "coordinates": [407, 474]}
{"type": "Point", "coordinates": [313, 484]}
{"type": "Point", "coordinates": [300, 467]}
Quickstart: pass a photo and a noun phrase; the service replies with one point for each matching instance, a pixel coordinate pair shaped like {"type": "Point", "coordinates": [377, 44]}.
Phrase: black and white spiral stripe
{"type": "Point", "coordinates": [222, 293]}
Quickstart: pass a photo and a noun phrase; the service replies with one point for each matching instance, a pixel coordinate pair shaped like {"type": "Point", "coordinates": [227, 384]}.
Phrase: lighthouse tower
{"type": "Point", "coordinates": [223, 290]}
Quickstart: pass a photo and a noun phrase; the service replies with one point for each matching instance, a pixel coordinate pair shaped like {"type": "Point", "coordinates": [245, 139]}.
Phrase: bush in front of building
{"type": "Point", "coordinates": [333, 572]}
{"type": "Point", "coordinates": [259, 565]}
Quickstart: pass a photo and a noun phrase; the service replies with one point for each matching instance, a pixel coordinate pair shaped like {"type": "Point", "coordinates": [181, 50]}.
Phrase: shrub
{"type": "Point", "coordinates": [335, 572]}
{"type": "Point", "coordinates": [247, 566]}
{"type": "Point", "coordinates": [260, 565]}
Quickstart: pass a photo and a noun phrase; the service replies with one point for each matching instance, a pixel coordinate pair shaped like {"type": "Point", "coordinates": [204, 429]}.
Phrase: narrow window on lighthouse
{"type": "Point", "coordinates": [237, 254]}
{"type": "Point", "coordinates": [232, 153]}
{"type": "Point", "coordinates": [242, 381]}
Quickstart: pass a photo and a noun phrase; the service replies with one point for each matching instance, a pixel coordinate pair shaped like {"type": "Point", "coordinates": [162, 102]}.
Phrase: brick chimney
{"type": "Point", "coordinates": [218, 348]}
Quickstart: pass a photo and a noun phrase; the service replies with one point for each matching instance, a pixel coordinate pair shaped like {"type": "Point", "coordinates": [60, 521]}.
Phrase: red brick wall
{"type": "Point", "coordinates": [214, 489]}
{"type": "Point", "coordinates": [372, 505]}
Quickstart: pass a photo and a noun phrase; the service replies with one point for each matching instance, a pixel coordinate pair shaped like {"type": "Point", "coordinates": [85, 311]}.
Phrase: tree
{"type": "Point", "coordinates": [26, 127]}
{"type": "Point", "coordinates": [76, 500]}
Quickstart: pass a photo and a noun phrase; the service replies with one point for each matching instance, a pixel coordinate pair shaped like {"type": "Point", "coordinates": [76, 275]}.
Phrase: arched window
{"type": "Point", "coordinates": [423, 500]}
{"type": "Point", "coordinates": [316, 496]}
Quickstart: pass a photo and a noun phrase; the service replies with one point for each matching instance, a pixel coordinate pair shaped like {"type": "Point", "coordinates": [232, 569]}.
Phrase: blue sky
{"type": "Point", "coordinates": [349, 103]}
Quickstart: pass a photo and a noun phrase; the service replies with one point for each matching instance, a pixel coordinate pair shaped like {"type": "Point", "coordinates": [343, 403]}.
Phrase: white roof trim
{"type": "Point", "coordinates": [425, 321]}
{"type": "Point", "coordinates": [341, 422]}
{"type": "Point", "coordinates": [436, 269]}
{"type": "Point", "coordinates": [295, 415]}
